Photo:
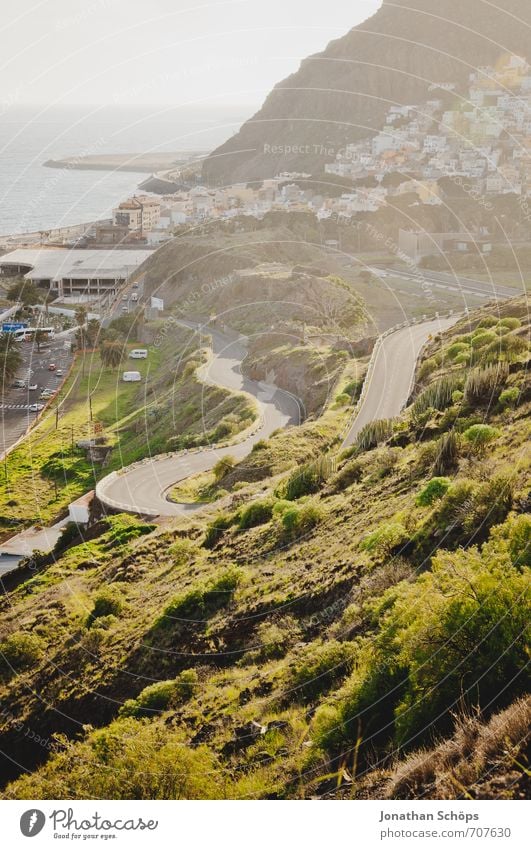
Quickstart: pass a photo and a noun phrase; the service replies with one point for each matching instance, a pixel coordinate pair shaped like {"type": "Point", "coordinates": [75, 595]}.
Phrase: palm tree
{"type": "Point", "coordinates": [92, 332]}
{"type": "Point", "coordinates": [112, 354]}
{"type": "Point", "coordinates": [10, 358]}
{"type": "Point", "coordinates": [81, 315]}
{"type": "Point", "coordinates": [40, 337]}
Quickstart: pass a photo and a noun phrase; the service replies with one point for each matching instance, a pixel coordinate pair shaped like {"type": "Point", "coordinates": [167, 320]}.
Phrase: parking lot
{"type": "Point", "coordinates": [16, 413]}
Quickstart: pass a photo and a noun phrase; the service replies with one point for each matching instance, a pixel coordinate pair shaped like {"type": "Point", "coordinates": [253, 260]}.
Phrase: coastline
{"type": "Point", "coordinates": [147, 163]}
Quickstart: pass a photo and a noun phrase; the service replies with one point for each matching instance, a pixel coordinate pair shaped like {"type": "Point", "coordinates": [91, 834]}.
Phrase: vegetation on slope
{"type": "Point", "coordinates": [357, 629]}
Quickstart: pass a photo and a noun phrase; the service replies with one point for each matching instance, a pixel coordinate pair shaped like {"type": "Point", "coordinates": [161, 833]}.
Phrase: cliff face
{"type": "Point", "coordinates": [343, 93]}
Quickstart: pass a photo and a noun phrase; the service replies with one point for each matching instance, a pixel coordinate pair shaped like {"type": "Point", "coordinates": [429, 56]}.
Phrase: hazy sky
{"type": "Point", "coordinates": [57, 52]}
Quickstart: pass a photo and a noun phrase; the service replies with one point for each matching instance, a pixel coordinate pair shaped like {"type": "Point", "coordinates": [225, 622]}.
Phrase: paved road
{"type": "Point", "coordinates": [143, 489]}
{"type": "Point", "coordinates": [22, 545]}
{"type": "Point", "coordinates": [391, 374]}
{"type": "Point", "coordinates": [488, 291]}
{"type": "Point", "coordinates": [15, 417]}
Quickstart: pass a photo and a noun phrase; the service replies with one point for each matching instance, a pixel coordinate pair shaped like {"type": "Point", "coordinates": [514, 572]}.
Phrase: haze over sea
{"type": "Point", "coordinates": [33, 197]}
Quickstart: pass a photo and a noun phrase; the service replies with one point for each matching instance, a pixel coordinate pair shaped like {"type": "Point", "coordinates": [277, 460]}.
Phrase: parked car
{"type": "Point", "coordinates": [131, 376]}
{"type": "Point", "coordinates": [52, 367]}
{"type": "Point", "coordinates": [139, 354]}
{"type": "Point", "coordinates": [19, 384]}
{"type": "Point", "coordinates": [32, 387]}
{"type": "Point", "coordinates": [125, 297]}
{"type": "Point", "coordinates": [134, 296]}
{"type": "Point", "coordinates": [36, 408]}
{"type": "Point", "coordinates": [59, 372]}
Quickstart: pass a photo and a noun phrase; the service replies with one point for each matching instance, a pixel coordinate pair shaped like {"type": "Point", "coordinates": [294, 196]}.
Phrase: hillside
{"type": "Point", "coordinates": [342, 94]}
{"type": "Point", "coordinates": [357, 629]}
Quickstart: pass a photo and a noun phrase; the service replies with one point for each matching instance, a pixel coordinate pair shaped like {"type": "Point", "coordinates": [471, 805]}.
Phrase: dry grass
{"type": "Point", "coordinates": [481, 760]}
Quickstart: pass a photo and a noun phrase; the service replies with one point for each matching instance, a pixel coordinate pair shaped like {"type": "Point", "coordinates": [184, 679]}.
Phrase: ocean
{"type": "Point", "coordinates": [33, 197]}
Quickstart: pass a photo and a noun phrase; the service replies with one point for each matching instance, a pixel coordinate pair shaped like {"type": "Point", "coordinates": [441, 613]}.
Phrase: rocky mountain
{"type": "Point", "coordinates": [343, 93]}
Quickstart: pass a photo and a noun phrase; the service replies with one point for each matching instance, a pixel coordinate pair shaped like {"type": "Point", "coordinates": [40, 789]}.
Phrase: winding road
{"type": "Point", "coordinates": [143, 488]}
{"type": "Point", "coordinates": [390, 376]}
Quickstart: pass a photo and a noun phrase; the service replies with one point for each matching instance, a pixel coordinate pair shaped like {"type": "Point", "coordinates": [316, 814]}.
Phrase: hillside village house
{"type": "Point", "coordinates": [138, 214]}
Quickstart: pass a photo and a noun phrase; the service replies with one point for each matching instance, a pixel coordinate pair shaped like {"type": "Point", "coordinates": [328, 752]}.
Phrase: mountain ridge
{"type": "Point", "coordinates": [343, 93]}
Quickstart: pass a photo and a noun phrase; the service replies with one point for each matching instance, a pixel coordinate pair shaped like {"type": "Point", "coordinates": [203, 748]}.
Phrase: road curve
{"type": "Point", "coordinates": [391, 372]}
{"type": "Point", "coordinates": [143, 488]}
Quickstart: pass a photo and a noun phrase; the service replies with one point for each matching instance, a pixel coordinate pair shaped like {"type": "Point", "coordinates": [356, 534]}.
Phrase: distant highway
{"type": "Point", "coordinates": [390, 377]}
{"type": "Point", "coordinates": [442, 280]}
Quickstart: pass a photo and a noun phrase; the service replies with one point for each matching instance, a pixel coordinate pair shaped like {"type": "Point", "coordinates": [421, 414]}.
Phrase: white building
{"type": "Point", "coordinates": [74, 271]}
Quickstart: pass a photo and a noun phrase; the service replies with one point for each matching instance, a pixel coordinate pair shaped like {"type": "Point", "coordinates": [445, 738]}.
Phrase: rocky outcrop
{"type": "Point", "coordinates": [343, 93]}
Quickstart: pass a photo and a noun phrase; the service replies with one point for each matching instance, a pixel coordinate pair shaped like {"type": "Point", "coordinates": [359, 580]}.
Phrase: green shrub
{"type": "Point", "coordinates": [515, 536]}
{"type": "Point", "coordinates": [354, 389]}
{"type": "Point", "coordinates": [19, 652]}
{"type": "Point", "coordinates": [343, 399]}
{"type": "Point", "coordinates": [373, 434]}
{"type": "Point", "coordinates": [385, 539]}
{"type": "Point", "coordinates": [257, 513]}
{"type": "Point", "coordinates": [433, 491]}
{"type": "Point", "coordinates": [107, 602]}
{"type": "Point", "coordinates": [456, 349]}
{"type": "Point", "coordinates": [427, 368]}
{"type": "Point", "coordinates": [488, 506]}
{"type": "Point", "coordinates": [273, 640]}
{"type": "Point", "coordinates": [126, 760]}
{"type": "Point", "coordinates": [479, 437]}
{"type": "Point", "coordinates": [214, 532]}
{"type": "Point", "coordinates": [200, 602]}
{"type": "Point", "coordinates": [69, 534]}
{"type": "Point", "coordinates": [125, 529]}
{"type": "Point", "coordinates": [510, 323]}
{"type": "Point", "coordinates": [454, 639]}
{"type": "Point", "coordinates": [510, 397]}
{"type": "Point", "coordinates": [351, 473]}
{"type": "Point", "coordinates": [509, 349]}
{"type": "Point", "coordinates": [483, 385]}
{"type": "Point", "coordinates": [488, 322]}
{"type": "Point", "coordinates": [298, 520]}
{"type": "Point", "coordinates": [182, 551]}
{"type": "Point", "coordinates": [317, 667]}
{"type": "Point", "coordinates": [161, 695]}
{"type": "Point", "coordinates": [223, 467]}
{"type": "Point", "coordinates": [480, 340]}
{"type": "Point", "coordinates": [308, 479]}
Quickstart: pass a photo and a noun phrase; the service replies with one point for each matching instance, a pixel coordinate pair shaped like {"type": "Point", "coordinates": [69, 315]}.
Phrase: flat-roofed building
{"type": "Point", "coordinates": [73, 271]}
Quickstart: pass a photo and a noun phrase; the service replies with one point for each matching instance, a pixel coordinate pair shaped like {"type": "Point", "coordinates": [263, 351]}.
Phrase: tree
{"type": "Point", "coordinates": [112, 354]}
{"type": "Point", "coordinates": [92, 332]}
{"type": "Point", "coordinates": [40, 337]}
{"type": "Point", "coordinates": [81, 315]}
{"type": "Point", "coordinates": [24, 291]}
{"type": "Point", "coordinates": [10, 358]}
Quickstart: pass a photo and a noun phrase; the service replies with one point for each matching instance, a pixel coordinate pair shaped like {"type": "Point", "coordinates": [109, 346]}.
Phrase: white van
{"type": "Point", "coordinates": [131, 376]}
{"type": "Point", "coordinates": [139, 354]}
